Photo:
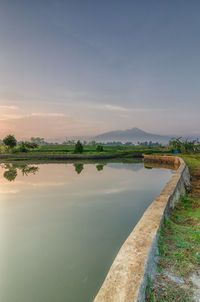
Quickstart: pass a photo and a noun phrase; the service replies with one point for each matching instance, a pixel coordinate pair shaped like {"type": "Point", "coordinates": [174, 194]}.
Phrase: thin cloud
{"type": "Point", "coordinates": [4, 107]}
{"type": "Point", "coordinates": [126, 109]}
{"type": "Point", "coordinates": [42, 114]}
{"type": "Point", "coordinates": [116, 108]}
{"type": "Point", "coordinates": [5, 117]}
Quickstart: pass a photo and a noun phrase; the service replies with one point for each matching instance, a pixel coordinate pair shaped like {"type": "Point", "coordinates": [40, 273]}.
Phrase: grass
{"type": "Point", "coordinates": [168, 292]}
{"type": "Point", "coordinates": [91, 150]}
{"type": "Point", "coordinates": [179, 245]}
{"type": "Point", "coordinates": [179, 241]}
{"type": "Point", "coordinates": [193, 161]}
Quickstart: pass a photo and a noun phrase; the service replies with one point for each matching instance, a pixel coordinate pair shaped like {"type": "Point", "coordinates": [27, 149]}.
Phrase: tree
{"type": "Point", "coordinates": [23, 147]}
{"type": "Point", "coordinates": [183, 146]}
{"type": "Point", "coordinates": [187, 146]}
{"type": "Point", "coordinates": [99, 148]}
{"type": "Point", "coordinates": [78, 147]}
{"type": "Point", "coordinates": [176, 143]}
{"type": "Point", "coordinates": [37, 140]}
{"type": "Point", "coordinates": [10, 141]}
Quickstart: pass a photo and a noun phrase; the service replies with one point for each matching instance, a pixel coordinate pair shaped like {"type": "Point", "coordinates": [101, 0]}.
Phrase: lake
{"type": "Point", "coordinates": [62, 224]}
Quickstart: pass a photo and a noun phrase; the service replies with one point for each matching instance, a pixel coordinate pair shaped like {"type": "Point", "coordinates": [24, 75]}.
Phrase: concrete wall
{"type": "Point", "coordinates": [127, 278]}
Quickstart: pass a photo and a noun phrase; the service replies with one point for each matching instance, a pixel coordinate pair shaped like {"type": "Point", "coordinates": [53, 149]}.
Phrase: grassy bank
{"type": "Point", "coordinates": [179, 246]}
{"type": "Point", "coordinates": [66, 152]}
{"type": "Point", "coordinates": [67, 157]}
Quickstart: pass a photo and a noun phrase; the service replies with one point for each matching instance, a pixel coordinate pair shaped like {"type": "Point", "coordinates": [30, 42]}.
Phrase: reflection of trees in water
{"type": "Point", "coordinates": [78, 167]}
{"type": "Point", "coordinates": [11, 170]}
{"type": "Point", "coordinates": [148, 167]}
{"type": "Point", "coordinates": [100, 167]}
{"type": "Point", "coordinates": [10, 174]}
{"type": "Point", "coordinates": [28, 169]}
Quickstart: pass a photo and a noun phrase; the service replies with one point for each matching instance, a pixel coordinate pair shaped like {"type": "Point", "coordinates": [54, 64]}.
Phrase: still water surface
{"type": "Point", "coordinates": [61, 225]}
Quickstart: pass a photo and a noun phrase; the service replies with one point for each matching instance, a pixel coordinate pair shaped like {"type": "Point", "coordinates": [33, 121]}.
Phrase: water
{"type": "Point", "coordinates": [61, 225]}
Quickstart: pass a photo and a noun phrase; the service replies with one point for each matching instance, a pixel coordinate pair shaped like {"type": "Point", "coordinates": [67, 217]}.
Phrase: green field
{"type": "Point", "coordinates": [90, 150]}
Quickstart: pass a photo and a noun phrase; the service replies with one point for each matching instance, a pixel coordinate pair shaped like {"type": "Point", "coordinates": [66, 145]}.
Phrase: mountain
{"type": "Point", "coordinates": [133, 135]}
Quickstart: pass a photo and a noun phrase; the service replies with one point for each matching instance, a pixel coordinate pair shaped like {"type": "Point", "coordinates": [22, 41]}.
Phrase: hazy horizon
{"type": "Point", "coordinates": [82, 68]}
{"type": "Point", "coordinates": [60, 139]}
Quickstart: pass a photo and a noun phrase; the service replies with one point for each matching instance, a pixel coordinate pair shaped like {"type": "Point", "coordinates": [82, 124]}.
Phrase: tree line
{"type": "Point", "coordinates": [12, 145]}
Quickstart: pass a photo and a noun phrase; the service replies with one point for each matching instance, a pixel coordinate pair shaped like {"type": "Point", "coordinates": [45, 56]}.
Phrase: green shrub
{"type": "Point", "coordinates": [16, 149]}
{"type": "Point", "coordinates": [78, 147]}
{"type": "Point", "coordinates": [99, 148]}
{"type": "Point", "coordinates": [31, 145]}
{"type": "Point", "coordinates": [23, 147]}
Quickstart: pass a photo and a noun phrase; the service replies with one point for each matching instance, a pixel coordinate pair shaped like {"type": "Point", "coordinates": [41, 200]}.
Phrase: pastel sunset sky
{"type": "Point", "coordinates": [79, 67]}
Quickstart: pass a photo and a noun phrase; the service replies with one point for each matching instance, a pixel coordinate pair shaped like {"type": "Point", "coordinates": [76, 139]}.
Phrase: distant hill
{"type": "Point", "coordinates": [133, 135]}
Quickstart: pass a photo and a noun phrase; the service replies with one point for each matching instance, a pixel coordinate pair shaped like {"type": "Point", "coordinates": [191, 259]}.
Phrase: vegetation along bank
{"type": "Point", "coordinates": [178, 271]}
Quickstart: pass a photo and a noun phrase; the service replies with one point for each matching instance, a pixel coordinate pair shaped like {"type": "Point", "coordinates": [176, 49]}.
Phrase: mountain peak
{"type": "Point", "coordinates": [136, 129]}
{"type": "Point", "coordinates": [134, 135]}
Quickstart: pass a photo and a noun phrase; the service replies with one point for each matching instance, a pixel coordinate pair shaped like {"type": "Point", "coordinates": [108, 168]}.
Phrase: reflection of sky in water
{"type": "Point", "coordinates": [61, 230]}
{"type": "Point", "coordinates": [87, 181]}
{"type": "Point", "coordinates": [135, 167]}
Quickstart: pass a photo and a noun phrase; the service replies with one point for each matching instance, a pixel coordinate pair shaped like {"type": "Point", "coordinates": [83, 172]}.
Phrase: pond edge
{"type": "Point", "coordinates": [126, 280]}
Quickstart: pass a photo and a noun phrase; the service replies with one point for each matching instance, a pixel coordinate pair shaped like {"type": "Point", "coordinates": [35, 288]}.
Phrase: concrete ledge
{"type": "Point", "coordinates": [127, 278]}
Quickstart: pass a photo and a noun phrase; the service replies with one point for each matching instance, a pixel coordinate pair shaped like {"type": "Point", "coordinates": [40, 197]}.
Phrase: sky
{"type": "Point", "coordinates": [74, 67]}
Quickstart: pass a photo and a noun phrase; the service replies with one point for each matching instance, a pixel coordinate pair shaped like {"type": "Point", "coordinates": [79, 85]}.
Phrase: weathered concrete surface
{"type": "Point", "coordinates": [127, 278]}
